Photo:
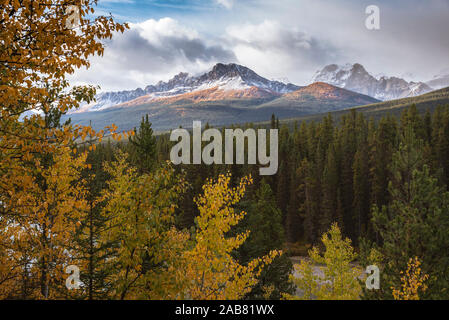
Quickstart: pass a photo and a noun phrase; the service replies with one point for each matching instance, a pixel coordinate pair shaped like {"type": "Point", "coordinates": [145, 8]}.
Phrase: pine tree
{"type": "Point", "coordinates": [293, 225]}
{"type": "Point", "coordinates": [441, 143]}
{"type": "Point", "coordinates": [415, 222]}
{"type": "Point", "coordinates": [91, 251]}
{"type": "Point", "coordinates": [361, 192]}
{"type": "Point", "coordinates": [264, 220]}
{"type": "Point", "coordinates": [330, 196]}
{"type": "Point", "coordinates": [143, 146]}
{"type": "Point", "coordinates": [382, 143]}
{"type": "Point", "coordinates": [283, 176]}
{"type": "Point", "coordinates": [312, 211]}
{"type": "Point", "coordinates": [273, 121]}
{"type": "Point", "coordinates": [348, 141]}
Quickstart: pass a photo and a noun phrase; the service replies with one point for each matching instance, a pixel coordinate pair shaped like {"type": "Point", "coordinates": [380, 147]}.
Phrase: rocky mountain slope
{"type": "Point", "coordinates": [218, 106]}
{"type": "Point", "coordinates": [223, 78]}
{"type": "Point", "coordinates": [230, 94]}
{"type": "Point", "coordinates": [356, 78]}
{"type": "Point", "coordinates": [320, 97]}
{"type": "Point", "coordinates": [426, 102]}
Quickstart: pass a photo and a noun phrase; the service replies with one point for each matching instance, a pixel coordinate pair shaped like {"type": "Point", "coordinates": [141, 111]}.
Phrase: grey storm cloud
{"type": "Point", "coordinates": [412, 39]}
{"type": "Point", "coordinates": [280, 39]}
{"type": "Point", "coordinates": [151, 51]}
{"type": "Point", "coordinates": [292, 52]}
{"type": "Point", "coordinates": [134, 52]}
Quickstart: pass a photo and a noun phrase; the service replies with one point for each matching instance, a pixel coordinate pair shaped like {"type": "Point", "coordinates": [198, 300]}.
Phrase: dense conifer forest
{"type": "Point", "coordinates": [89, 215]}
{"type": "Point", "coordinates": [381, 181]}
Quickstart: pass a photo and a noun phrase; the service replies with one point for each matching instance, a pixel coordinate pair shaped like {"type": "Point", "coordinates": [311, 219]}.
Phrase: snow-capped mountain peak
{"type": "Point", "coordinates": [356, 78]}
{"type": "Point", "coordinates": [222, 76]}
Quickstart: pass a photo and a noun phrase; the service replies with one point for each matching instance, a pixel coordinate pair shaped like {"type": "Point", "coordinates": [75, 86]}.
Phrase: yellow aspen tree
{"type": "Point", "coordinates": [38, 49]}
{"type": "Point", "coordinates": [9, 269]}
{"type": "Point", "coordinates": [337, 279]}
{"type": "Point", "coordinates": [412, 282]}
{"type": "Point", "coordinates": [147, 251]}
{"type": "Point", "coordinates": [212, 272]}
{"type": "Point", "coordinates": [42, 229]}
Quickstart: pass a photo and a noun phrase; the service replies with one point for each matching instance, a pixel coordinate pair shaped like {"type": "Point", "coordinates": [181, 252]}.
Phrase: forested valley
{"type": "Point", "coordinates": [384, 183]}
{"type": "Point", "coordinates": [101, 215]}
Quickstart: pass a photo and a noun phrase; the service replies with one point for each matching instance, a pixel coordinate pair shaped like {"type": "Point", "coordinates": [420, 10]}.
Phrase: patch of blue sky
{"type": "Point", "coordinates": [140, 10]}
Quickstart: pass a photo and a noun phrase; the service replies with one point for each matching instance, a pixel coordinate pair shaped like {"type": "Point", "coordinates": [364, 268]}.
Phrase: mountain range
{"type": "Point", "coordinates": [225, 79]}
{"type": "Point", "coordinates": [227, 94]}
{"type": "Point", "coordinates": [428, 102]}
{"type": "Point", "coordinates": [231, 93]}
{"type": "Point", "coordinates": [354, 77]}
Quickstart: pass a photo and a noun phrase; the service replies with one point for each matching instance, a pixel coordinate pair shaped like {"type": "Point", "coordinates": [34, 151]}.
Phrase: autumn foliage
{"type": "Point", "coordinates": [123, 238]}
{"type": "Point", "coordinates": [213, 272]}
{"type": "Point", "coordinates": [117, 217]}
{"type": "Point", "coordinates": [41, 201]}
{"type": "Point", "coordinates": [412, 282]}
{"type": "Point", "coordinates": [337, 279]}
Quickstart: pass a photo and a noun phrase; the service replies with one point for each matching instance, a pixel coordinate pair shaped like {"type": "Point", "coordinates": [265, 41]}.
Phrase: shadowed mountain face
{"type": "Point", "coordinates": [317, 98]}
{"type": "Point", "coordinates": [424, 103]}
{"type": "Point", "coordinates": [325, 92]}
{"type": "Point", "coordinates": [228, 94]}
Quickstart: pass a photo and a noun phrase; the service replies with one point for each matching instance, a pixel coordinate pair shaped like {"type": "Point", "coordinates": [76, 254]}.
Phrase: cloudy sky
{"type": "Point", "coordinates": [286, 40]}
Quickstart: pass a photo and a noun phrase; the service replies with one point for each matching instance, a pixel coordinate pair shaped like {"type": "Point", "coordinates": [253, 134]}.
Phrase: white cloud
{"type": "Point", "coordinates": [297, 38]}
{"type": "Point", "coordinates": [156, 50]}
{"type": "Point", "coordinates": [156, 30]}
{"type": "Point", "coordinates": [412, 37]}
{"type": "Point", "coordinates": [151, 51]}
{"type": "Point", "coordinates": [228, 4]}
{"type": "Point", "coordinates": [269, 34]}
{"type": "Point", "coordinates": [276, 51]}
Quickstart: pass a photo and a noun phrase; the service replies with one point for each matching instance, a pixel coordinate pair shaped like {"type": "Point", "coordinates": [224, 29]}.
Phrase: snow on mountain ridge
{"type": "Point", "coordinates": [355, 78]}
{"type": "Point", "coordinates": [225, 77]}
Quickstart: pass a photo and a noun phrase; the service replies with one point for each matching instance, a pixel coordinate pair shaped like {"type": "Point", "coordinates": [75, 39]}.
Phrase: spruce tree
{"type": "Point", "coordinates": [415, 222]}
{"type": "Point", "coordinates": [264, 220]}
{"type": "Point", "coordinates": [91, 251]}
{"type": "Point", "coordinates": [361, 187]}
{"type": "Point", "coordinates": [143, 146]}
{"type": "Point", "coordinates": [330, 199]}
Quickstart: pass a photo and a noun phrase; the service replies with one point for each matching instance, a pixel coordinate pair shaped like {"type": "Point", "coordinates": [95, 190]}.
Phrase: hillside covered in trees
{"type": "Point", "coordinates": [87, 217]}
{"type": "Point", "coordinates": [384, 182]}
